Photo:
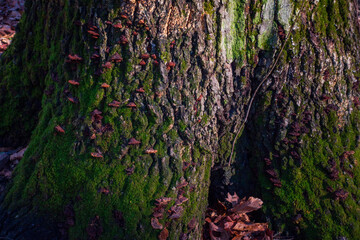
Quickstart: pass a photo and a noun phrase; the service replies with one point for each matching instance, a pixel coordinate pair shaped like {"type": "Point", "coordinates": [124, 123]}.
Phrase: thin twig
{"type": "Point", "coordinates": [263, 81]}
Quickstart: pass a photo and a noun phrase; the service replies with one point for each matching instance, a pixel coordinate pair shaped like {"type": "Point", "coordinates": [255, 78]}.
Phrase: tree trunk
{"type": "Point", "coordinates": [89, 182]}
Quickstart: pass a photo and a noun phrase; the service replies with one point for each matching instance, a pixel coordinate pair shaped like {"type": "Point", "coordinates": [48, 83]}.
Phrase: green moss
{"type": "Point", "coordinates": [205, 119]}
{"type": "Point", "coordinates": [238, 30]}
{"type": "Point", "coordinates": [209, 7]}
{"type": "Point", "coordinates": [182, 126]}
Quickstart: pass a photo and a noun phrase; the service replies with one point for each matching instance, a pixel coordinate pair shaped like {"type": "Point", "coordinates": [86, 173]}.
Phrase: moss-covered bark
{"type": "Point", "coordinates": [175, 115]}
{"type": "Point", "coordinates": [189, 113]}
{"type": "Point", "coordinates": [304, 126]}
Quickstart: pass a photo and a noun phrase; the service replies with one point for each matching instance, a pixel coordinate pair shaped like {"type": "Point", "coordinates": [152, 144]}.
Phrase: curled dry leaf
{"type": "Point", "coordinates": [107, 65]}
{"type": "Point", "coordinates": [156, 224]}
{"type": "Point", "coordinates": [93, 34]}
{"type": "Point", "coordinates": [123, 40]}
{"type": "Point", "coordinates": [163, 201]}
{"type": "Point", "coordinates": [93, 136]}
{"type": "Point", "coordinates": [164, 234]}
{"type": "Point", "coordinates": [74, 58]}
{"type": "Point", "coordinates": [118, 25]}
{"type": "Point", "coordinates": [133, 141]}
{"type": "Point", "coordinates": [218, 233]}
{"type": "Point", "coordinates": [245, 206]}
{"type": "Point", "coordinates": [96, 155]}
{"type": "Point", "coordinates": [18, 155]}
{"type": "Point", "coordinates": [159, 212]}
{"type": "Point", "coordinates": [131, 105]}
{"type": "Point", "coordinates": [105, 85]}
{"type": "Point", "coordinates": [341, 194]}
{"type": "Point", "coordinates": [116, 58]}
{"type": "Point", "coordinates": [150, 151]}
{"type": "Point", "coordinates": [142, 63]}
{"type": "Point", "coordinates": [96, 112]}
{"type": "Point", "coordinates": [140, 90]}
{"type": "Point", "coordinates": [95, 56]}
{"type": "Point", "coordinates": [272, 173]}
{"type": "Point", "coordinates": [250, 227]}
{"type": "Point", "coordinates": [184, 183]}
{"type": "Point", "coordinates": [93, 27]}
{"type": "Point", "coordinates": [233, 199]}
{"type": "Point", "coordinates": [145, 56]}
{"type": "Point", "coordinates": [73, 99]}
{"type": "Point", "coordinates": [59, 129]}
{"type": "Point", "coordinates": [181, 199]}
{"type": "Point", "coordinates": [177, 211]}
{"type": "Point", "coordinates": [115, 104]}
{"type": "Point", "coordinates": [74, 82]}
{"type": "Point", "coordinates": [171, 64]}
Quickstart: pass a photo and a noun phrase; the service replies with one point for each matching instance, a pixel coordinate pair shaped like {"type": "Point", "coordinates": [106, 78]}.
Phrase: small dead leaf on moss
{"type": "Point", "coordinates": [156, 224]}
{"type": "Point", "coordinates": [163, 201]}
{"type": "Point", "coordinates": [150, 151]}
{"type": "Point", "coordinates": [164, 234]}
{"type": "Point", "coordinates": [59, 129]}
{"type": "Point", "coordinates": [96, 155]}
{"type": "Point", "coordinates": [192, 224]}
{"type": "Point", "coordinates": [181, 199]}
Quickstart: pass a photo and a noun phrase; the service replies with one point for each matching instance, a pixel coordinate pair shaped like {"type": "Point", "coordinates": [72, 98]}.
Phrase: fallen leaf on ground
{"type": "Point", "coordinates": [245, 206]}
{"type": "Point", "coordinates": [233, 199]}
{"type": "Point", "coordinates": [18, 155]}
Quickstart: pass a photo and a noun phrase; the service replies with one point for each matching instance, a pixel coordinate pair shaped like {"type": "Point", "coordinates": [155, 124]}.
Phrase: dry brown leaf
{"type": "Point", "coordinates": [163, 201]}
{"type": "Point", "coordinates": [220, 231]}
{"type": "Point", "coordinates": [164, 234]}
{"type": "Point", "coordinates": [233, 199]}
{"type": "Point", "coordinates": [252, 204]}
{"type": "Point", "coordinates": [155, 224]}
{"type": "Point", "coordinates": [252, 227]}
{"type": "Point", "coordinates": [192, 224]}
{"type": "Point", "coordinates": [18, 155]}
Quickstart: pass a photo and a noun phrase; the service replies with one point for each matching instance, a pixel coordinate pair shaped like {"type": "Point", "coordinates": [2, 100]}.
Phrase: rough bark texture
{"type": "Point", "coordinates": [304, 118]}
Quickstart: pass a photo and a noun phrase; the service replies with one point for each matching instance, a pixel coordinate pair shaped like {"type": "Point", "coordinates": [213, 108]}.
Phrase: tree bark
{"type": "Point", "coordinates": [90, 183]}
